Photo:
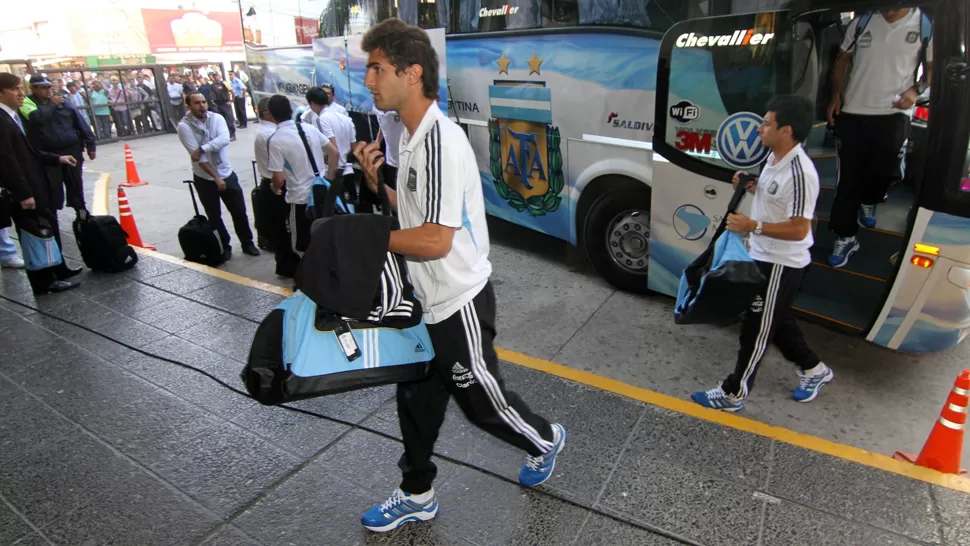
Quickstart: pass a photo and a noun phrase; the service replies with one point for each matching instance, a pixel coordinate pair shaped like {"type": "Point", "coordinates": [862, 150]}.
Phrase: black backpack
{"type": "Point", "coordinates": [199, 240]}
{"type": "Point", "coordinates": [103, 244]}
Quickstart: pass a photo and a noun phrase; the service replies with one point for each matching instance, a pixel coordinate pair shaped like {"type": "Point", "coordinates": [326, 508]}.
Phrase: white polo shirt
{"type": "Point", "coordinates": [438, 182]}
{"type": "Point", "coordinates": [340, 128]}
{"type": "Point", "coordinates": [884, 60]}
{"type": "Point", "coordinates": [261, 148]}
{"type": "Point", "coordinates": [288, 155]}
{"type": "Point", "coordinates": [392, 129]}
{"type": "Point", "coordinates": [785, 190]}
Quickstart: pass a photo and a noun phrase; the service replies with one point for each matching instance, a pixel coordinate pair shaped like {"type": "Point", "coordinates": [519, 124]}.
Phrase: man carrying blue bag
{"type": "Point", "coordinates": [444, 237]}
{"type": "Point", "coordinates": [780, 240]}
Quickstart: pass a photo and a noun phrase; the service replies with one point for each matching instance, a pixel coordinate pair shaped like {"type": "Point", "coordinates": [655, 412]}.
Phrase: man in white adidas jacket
{"type": "Point", "coordinates": [444, 236]}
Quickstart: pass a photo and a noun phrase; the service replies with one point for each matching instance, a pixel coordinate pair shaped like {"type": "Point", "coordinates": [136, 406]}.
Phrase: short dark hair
{"type": "Point", "coordinates": [9, 81]}
{"type": "Point", "coordinates": [188, 98]}
{"type": "Point", "coordinates": [405, 45]}
{"type": "Point", "coordinates": [280, 108]}
{"type": "Point", "coordinates": [795, 112]}
{"type": "Point", "coordinates": [316, 95]}
{"type": "Point", "coordinates": [263, 105]}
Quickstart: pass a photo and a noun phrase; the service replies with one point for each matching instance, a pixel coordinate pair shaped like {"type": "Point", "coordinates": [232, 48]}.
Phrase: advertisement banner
{"type": "Point", "coordinates": [306, 29]}
{"type": "Point", "coordinates": [181, 31]}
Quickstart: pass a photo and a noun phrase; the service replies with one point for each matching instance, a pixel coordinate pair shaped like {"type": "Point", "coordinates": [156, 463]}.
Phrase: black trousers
{"type": "Point", "coordinates": [235, 201]}
{"type": "Point", "coordinates": [296, 239]}
{"type": "Point", "coordinates": [770, 319]}
{"type": "Point", "coordinates": [225, 110]}
{"type": "Point", "coordinates": [466, 367]}
{"type": "Point", "coordinates": [240, 105]}
{"type": "Point", "coordinates": [271, 212]}
{"type": "Point", "coordinates": [869, 150]}
{"type": "Point", "coordinates": [42, 278]}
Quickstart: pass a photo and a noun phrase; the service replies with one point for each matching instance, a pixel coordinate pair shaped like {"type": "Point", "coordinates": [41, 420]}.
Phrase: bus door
{"type": "Point", "coordinates": [715, 77]}
{"type": "Point", "coordinates": [928, 305]}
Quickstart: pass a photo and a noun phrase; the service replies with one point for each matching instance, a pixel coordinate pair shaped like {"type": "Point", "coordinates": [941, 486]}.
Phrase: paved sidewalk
{"type": "Point", "coordinates": [102, 445]}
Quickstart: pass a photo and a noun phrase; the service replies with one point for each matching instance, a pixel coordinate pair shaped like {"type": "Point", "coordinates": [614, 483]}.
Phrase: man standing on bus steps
{"type": "Point", "coordinates": [444, 237]}
{"type": "Point", "coordinates": [781, 236]}
{"type": "Point", "coordinates": [885, 49]}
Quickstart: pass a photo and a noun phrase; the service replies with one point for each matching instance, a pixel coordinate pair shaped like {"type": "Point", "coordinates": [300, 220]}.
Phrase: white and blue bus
{"type": "Point", "coordinates": [597, 123]}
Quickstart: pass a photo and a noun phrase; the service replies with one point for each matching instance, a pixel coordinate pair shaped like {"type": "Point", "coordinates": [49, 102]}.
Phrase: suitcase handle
{"type": "Point", "coordinates": [192, 193]}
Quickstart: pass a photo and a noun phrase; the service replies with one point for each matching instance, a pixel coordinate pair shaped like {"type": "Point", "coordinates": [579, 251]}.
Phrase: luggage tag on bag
{"type": "Point", "coordinates": [347, 342]}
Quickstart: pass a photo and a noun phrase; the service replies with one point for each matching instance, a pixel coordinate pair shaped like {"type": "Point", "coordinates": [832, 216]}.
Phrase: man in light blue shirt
{"type": "Point", "coordinates": [239, 99]}
{"type": "Point", "coordinates": [206, 138]}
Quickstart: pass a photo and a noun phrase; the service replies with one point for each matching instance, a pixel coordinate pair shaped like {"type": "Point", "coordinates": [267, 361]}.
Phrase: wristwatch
{"type": "Point", "coordinates": [757, 229]}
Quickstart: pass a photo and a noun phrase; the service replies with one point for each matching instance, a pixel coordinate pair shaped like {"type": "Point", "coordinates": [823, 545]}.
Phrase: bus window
{"type": "Point", "coordinates": [493, 15]}
{"type": "Point", "coordinates": [722, 66]}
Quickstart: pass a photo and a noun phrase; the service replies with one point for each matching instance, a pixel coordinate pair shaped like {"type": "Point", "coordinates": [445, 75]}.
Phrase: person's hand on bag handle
{"type": "Point", "coordinates": [750, 184]}
{"type": "Point", "coordinates": [371, 159]}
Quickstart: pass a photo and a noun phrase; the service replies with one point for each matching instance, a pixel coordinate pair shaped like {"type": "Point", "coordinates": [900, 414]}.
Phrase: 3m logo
{"type": "Point", "coordinates": [737, 38]}
{"type": "Point", "coordinates": [738, 141]}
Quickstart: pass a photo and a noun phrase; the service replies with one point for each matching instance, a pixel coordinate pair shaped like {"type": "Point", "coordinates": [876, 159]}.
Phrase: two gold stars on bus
{"type": "Point", "coordinates": [534, 63]}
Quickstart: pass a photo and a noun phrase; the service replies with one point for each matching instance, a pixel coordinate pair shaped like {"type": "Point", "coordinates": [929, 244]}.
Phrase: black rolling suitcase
{"type": "Point", "coordinates": [199, 240]}
{"type": "Point", "coordinates": [103, 244]}
{"type": "Point", "coordinates": [262, 214]}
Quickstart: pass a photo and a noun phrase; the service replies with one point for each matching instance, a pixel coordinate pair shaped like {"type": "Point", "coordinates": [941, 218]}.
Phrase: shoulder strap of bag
{"type": "Point", "coordinates": [732, 208]}
{"type": "Point", "coordinates": [860, 27]}
{"type": "Point", "coordinates": [306, 146]}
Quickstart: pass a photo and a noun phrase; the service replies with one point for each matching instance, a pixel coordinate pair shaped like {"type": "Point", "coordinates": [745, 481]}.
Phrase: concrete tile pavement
{"type": "Point", "coordinates": [118, 447]}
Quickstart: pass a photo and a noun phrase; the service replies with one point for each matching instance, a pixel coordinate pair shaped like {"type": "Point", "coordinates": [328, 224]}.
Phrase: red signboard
{"type": "Point", "coordinates": [183, 31]}
{"type": "Point", "coordinates": [306, 29]}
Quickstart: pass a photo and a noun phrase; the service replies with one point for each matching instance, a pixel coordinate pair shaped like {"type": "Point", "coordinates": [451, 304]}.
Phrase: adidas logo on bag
{"type": "Point", "coordinates": [419, 348]}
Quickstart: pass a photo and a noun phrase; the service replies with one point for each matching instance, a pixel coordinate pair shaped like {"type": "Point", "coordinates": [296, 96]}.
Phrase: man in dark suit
{"type": "Point", "coordinates": [25, 179]}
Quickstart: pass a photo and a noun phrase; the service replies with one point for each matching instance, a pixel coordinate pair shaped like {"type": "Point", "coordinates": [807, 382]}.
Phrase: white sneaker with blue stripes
{"type": "Point", "coordinates": [400, 509]}
{"type": "Point", "coordinates": [811, 381]}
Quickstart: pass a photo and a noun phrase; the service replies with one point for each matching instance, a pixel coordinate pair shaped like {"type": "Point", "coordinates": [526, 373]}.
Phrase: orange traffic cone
{"type": "Point", "coordinates": [128, 222]}
{"type": "Point", "coordinates": [131, 171]}
{"type": "Point", "coordinates": [944, 447]}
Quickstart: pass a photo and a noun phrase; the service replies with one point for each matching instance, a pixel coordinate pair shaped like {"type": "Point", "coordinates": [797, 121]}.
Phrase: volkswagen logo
{"type": "Point", "coordinates": [738, 141]}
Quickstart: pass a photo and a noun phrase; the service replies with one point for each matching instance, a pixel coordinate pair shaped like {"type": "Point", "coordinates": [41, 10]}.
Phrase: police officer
{"type": "Point", "coordinates": [57, 128]}
{"type": "Point", "coordinates": [873, 121]}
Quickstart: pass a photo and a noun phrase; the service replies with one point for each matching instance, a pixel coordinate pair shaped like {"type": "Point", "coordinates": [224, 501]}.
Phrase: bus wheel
{"type": "Point", "coordinates": [617, 237]}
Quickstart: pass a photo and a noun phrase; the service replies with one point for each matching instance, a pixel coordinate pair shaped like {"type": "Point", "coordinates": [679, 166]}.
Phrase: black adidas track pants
{"type": "Point", "coordinates": [770, 319]}
{"type": "Point", "coordinates": [466, 367]}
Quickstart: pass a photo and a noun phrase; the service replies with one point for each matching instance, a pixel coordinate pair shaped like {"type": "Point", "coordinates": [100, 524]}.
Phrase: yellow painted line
{"type": "Point", "coordinates": [813, 443]}
{"type": "Point", "coordinates": [214, 272]}
{"type": "Point", "coordinates": [102, 189]}
{"type": "Point", "coordinates": [820, 445]}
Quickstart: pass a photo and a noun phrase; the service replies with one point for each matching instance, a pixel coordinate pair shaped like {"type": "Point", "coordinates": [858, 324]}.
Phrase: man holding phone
{"type": "Point", "coordinates": [781, 236]}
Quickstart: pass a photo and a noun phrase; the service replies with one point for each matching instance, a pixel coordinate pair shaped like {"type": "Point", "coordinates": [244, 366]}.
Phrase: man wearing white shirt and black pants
{"type": "Point", "coordinates": [337, 128]}
{"type": "Point", "coordinates": [874, 121]}
{"type": "Point", "coordinates": [444, 237]}
{"type": "Point", "coordinates": [781, 236]}
{"type": "Point", "coordinates": [206, 138]}
{"type": "Point", "coordinates": [273, 210]}
{"type": "Point", "coordinates": [293, 170]}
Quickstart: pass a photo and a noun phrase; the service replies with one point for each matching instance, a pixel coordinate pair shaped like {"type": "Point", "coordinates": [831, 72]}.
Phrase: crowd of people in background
{"type": "Point", "coordinates": [122, 103]}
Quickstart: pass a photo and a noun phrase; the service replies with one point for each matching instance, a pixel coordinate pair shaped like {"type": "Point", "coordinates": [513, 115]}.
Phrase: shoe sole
{"type": "Point", "coordinates": [848, 255]}
{"type": "Point", "coordinates": [825, 380]}
{"type": "Point", "coordinates": [727, 409]}
{"type": "Point", "coordinates": [553, 467]}
{"type": "Point", "coordinates": [417, 516]}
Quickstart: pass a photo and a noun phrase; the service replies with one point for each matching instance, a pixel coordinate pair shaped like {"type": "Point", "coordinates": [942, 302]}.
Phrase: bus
{"type": "Point", "coordinates": [601, 124]}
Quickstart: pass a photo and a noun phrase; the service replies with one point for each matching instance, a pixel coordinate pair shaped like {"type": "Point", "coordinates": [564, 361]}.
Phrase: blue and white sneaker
{"type": "Point", "coordinates": [867, 216]}
{"type": "Point", "coordinates": [538, 469]}
{"type": "Point", "coordinates": [717, 399]}
{"type": "Point", "coordinates": [398, 510]}
{"type": "Point", "coordinates": [844, 248]}
{"type": "Point", "coordinates": [812, 381]}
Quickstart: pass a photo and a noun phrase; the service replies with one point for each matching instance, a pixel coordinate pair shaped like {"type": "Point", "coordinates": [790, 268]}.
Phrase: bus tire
{"type": "Point", "coordinates": [616, 235]}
